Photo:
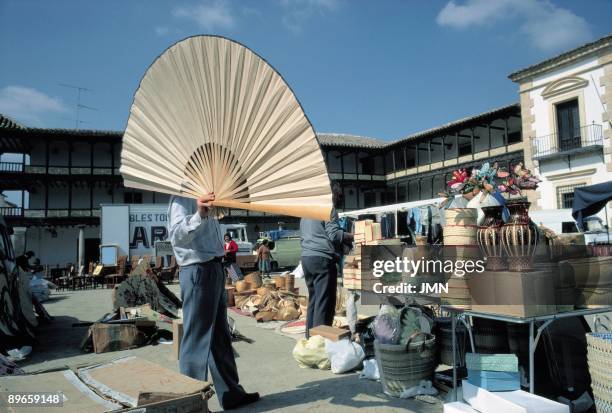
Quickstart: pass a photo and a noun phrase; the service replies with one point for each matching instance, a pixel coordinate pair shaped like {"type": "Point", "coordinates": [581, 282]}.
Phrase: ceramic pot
{"type": "Point", "coordinates": [519, 236]}
{"type": "Point", "coordinates": [489, 237]}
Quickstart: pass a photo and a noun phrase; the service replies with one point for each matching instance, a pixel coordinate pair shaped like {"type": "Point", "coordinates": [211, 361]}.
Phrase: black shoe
{"type": "Point", "coordinates": [247, 398]}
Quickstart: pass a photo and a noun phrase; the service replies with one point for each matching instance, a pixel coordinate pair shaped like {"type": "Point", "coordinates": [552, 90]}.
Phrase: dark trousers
{"type": "Point", "coordinates": [321, 279]}
{"type": "Point", "coordinates": [206, 342]}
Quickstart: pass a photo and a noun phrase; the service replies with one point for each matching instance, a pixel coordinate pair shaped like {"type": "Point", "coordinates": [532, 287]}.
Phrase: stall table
{"type": "Point", "coordinates": [458, 313]}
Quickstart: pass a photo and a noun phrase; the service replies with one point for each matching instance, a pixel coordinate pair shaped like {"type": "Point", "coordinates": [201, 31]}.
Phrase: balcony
{"type": "Point", "coordinates": [587, 138]}
{"type": "Point", "coordinates": [18, 167]}
{"type": "Point", "coordinates": [17, 216]}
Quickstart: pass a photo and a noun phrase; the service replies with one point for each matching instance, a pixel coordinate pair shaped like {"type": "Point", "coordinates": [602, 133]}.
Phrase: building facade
{"type": "Point", "coordinates": [565, 105]}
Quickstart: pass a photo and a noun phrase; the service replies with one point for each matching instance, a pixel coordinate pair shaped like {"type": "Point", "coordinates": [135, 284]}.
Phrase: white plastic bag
{"type": "Point", "coordinates": [370, 370]}
{"type": "Point", "coordinates": [344, 355]}
{"type": "Point", "coordinates": [298, 272]}
{"type": "Point", "coordinates": [424, 387]}
{"type": "Point", "coordinates": [311, 353]}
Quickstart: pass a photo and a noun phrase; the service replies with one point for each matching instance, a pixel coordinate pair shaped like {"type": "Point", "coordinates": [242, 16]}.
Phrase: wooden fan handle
{"type": "Point", "coordinates": [311, 212]}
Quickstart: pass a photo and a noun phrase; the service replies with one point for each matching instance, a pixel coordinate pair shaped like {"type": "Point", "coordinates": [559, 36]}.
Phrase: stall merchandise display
{"type": "Point", "coordinates": [519, 236]}
{"type": "Point", "coordinates": [591, 278]}
{"type": "Point", "coordinates": [493, 372]}
{"type": "Point", "coordinates": [599, 347]}
{"type": "Point", "coordinates": [489, 237]}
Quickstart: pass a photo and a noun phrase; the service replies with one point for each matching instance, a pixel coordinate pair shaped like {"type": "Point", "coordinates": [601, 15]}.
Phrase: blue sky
{"type": "Point", "coordinates": [376, 68]}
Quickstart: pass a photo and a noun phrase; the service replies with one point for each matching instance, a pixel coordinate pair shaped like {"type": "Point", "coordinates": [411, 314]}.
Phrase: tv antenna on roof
{"type": "Point", "coordinates": [79, 106]}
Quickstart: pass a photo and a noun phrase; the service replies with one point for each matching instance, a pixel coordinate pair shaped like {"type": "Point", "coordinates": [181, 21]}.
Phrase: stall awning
{"type": "Point", "coordinates": [589, 200]}
{"type": "Point", "coordinates": [405, 206]}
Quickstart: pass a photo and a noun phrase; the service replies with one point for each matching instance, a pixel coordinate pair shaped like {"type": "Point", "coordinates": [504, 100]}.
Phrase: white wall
{"type": "Point", "coordinates": [59, 250]}
{"type": "Point", "coordinates": [583, 168]}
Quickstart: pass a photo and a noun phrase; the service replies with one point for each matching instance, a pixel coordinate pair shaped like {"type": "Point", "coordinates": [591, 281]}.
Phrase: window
{"type": "Point", "coordinates": [498, 130]}
{"type": "Point", "coordinates": [568, 227]}
{"type": "Point", "coordinates": [437, 151]}
{"type": "Point", "coordinates": [369, 199]}
{"type": "Point", "coordinates": [411, 156]}
{"type": "Point", "coordinates": [424, 153]}
{"type": "Point", "coordinates": [132, 198]}
{"type": "Point", "coordinates": [400, 160]}
{"type": "Point", "coordinates": [565, 195]}
{"type": "Point", "coordinates": [450, 147]}
{"type": "Point", "coordinates": [568, 125]}
{"type": "Point", "coordinates": [481, 139]}
{"type": "Point", "coordinates": [465, 142]}
{"type": "Point", "coordinates": [514, 130]}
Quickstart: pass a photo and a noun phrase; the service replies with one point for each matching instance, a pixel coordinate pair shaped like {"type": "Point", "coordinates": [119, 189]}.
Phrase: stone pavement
{"type": "Point", "coordinates": [266, 365]}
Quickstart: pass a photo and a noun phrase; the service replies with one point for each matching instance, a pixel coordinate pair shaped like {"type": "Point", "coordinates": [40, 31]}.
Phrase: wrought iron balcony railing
{"type": "Point", "coordinates": [583, 139]}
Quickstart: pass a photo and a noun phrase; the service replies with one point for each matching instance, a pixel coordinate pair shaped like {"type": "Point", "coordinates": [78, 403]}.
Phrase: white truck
{"type": "Point", "coordinates": [135, 229]}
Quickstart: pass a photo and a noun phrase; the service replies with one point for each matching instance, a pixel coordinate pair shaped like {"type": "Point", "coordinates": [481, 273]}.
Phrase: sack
{"type": "Point", "coordinates": [344, 355]}
{"type": "Point", "coordinates": [311, 353]}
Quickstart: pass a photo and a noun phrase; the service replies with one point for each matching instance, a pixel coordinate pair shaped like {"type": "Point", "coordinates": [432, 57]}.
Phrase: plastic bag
{"type": "Point", "coordinates": [386, 325]}
{"type": "Point", "coordinates": [311, 353]}
{"type": "Point", "coordinates": [344, 355]}
{"type": "Point", "coordinates": [299, 271]}
{"type": "Point", "coordinates": [370, 370]}
{"type": "Point", "coordinates": [424, 387]}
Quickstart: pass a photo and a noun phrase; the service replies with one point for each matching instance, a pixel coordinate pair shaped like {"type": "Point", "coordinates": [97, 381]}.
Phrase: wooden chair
{"type": "Point", "coordinates": [119, 275]}
{"type": "Point", "coordinates": [159, 264]}
{"type": "Point", "coordinates": [169, 273]}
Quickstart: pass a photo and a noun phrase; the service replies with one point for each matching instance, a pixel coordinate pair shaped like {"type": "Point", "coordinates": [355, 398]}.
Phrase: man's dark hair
{"type": "Point", "coordinates": [264, 242]}
{"type": "Point", "coordinates": [227, 234]}
{"type": "Point", "coordinates": [30, 254]}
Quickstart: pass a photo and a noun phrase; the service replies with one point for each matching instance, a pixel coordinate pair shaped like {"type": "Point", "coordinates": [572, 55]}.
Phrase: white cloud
{"type": "Point", "coordinates": [297, 12]}
{"type": "Point", "coordinates": [547, 26]}
{"type": "Point", "coordinates": [28, 105]}
{"type": "Point", "coordinates": [209, 14]}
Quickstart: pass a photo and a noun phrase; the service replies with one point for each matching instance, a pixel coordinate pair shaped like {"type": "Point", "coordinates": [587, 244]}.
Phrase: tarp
{"type": "Point", "coordinates": [589, 200]}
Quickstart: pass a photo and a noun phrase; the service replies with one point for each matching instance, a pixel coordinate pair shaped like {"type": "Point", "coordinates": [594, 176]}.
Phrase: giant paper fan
{"type": "Point", "coordinates": [212, 116]}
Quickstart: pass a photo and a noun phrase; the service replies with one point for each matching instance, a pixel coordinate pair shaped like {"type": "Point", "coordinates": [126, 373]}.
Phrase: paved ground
{"type": "Point", "coordinates": [266, 366]}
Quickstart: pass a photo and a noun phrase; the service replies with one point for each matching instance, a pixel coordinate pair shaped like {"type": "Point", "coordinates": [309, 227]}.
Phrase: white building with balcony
{"type": "Point", "coordinates": [567, 131]}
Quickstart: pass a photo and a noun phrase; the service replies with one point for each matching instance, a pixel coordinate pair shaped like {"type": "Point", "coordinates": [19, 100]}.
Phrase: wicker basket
{"type": "Point", "coordinates": [402, 367]}
{"type": "Point", "coordinates": [290, 282]}
{"type": "Point", "coordinates": [599, 347]}
{"type": "Point", "coordinates": [460, 226]}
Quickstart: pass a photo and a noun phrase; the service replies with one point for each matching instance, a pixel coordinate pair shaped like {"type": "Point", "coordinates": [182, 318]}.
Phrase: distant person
{"type": "Point", "coordinates": [264, 256]}
{"type": "Point", "coordinates": [322, 246]}
{"type": "Point", "coordinates": [206, 342]}
{"type": "Point", "coordinates": [230, 248]}
{"type": "Point", "coordinates": [23, 261]}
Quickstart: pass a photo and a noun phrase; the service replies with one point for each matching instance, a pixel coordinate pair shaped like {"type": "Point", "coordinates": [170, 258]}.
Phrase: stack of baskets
{"type": "Point", "coordinates": [402, 367]}
{"type": "Point", "coordinates": [460, 242]}
{"type": "Point", "coordinates": [599, 347]}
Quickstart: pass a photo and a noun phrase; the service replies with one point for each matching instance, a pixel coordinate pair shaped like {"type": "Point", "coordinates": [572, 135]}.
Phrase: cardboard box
{"type": "Point", "coordinates": [516, 294]}
{"type": "Point", "coordinates": [139, 383]}
{"type": "Point", "coordinates": [458, 407]}
{"type": "Point", "coordinates": [121, 335]}
{"type": "Point", "coordinates": [332, 333]}
{"type": "Point", "coordinates": [517, 401]}
{"type": "Point", "coordinates": [177, 336]}
{"type": "Point", "coordinates": [79, 397]}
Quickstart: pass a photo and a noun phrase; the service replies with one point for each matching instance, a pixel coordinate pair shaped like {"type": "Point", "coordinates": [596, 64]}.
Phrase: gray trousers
{"type": "Point", "coordinates": [206, 342]}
